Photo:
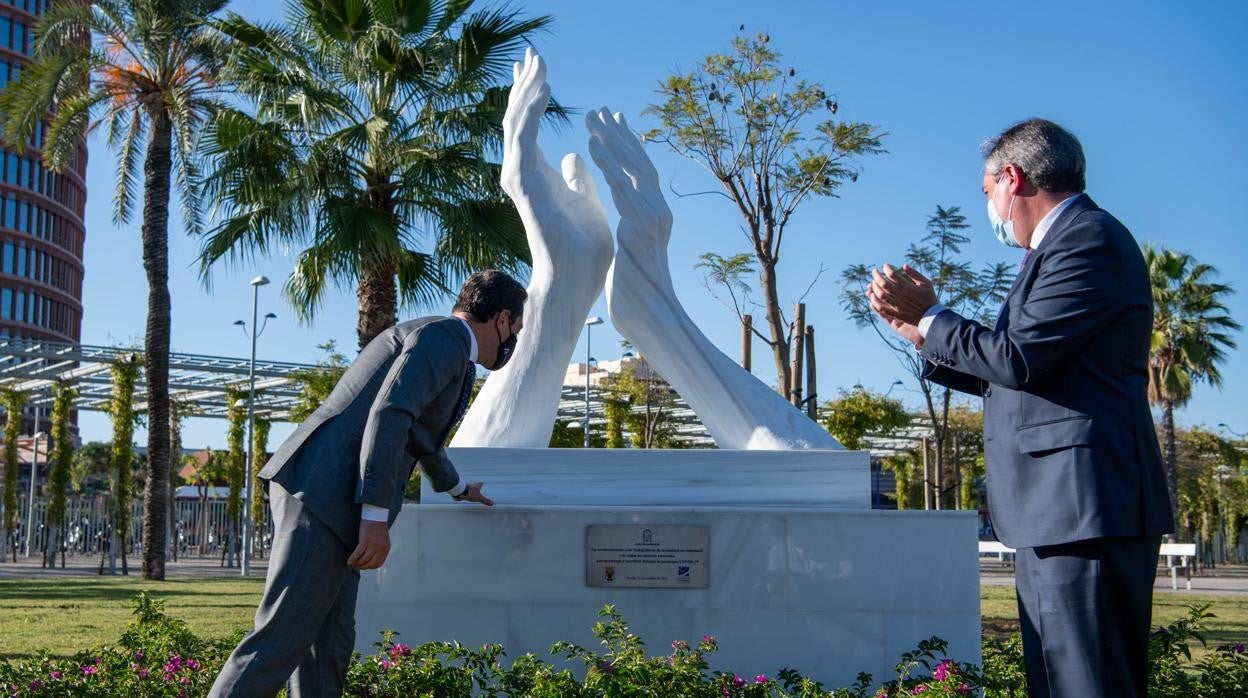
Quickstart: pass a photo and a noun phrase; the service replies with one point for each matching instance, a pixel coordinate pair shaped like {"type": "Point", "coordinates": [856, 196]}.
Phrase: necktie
{"type": "Point", "coordinates": [469, 379]}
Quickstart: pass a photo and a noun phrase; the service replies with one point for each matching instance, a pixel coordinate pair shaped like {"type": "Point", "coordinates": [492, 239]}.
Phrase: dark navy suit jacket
{"type": "Point", "coordinates": [1068, 436]}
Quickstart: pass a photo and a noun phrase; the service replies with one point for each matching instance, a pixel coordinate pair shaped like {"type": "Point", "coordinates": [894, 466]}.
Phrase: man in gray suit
{"type": "Point", "coordinates": [1075, 480]}
{"type": "Point", "coordinates": [337, 484]}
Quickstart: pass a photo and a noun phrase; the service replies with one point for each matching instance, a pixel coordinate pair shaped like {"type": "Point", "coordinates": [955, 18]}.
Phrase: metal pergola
{"type": "Point", "coordinates": [198, 383]}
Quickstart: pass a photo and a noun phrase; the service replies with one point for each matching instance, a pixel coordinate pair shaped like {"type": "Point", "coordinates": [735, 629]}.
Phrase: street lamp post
{"type": "Point", "coordinates": [589, 327]}
{"type": "Point", "coordinates": [34, 472]}
{"type": "Point", "coordinates": [1232, 432]}
{"type": "Point", "coordinates": [256, 283]}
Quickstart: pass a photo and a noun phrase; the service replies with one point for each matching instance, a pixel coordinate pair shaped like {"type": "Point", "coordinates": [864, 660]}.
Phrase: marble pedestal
{"type": "Point", "coordinates": [829, 590]}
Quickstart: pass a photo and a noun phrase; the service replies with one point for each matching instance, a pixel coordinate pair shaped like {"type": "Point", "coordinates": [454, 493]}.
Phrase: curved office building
{"type": "Point", "coordinates": [41, 214]}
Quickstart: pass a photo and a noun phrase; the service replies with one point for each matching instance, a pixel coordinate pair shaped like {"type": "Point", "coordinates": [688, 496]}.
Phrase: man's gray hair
{"type": "Point", "coordinates": [1050, 157]}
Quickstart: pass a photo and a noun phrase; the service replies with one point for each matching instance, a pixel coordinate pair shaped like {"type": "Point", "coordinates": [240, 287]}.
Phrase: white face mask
{"type": "Point", "coordinates": [1004, 229]}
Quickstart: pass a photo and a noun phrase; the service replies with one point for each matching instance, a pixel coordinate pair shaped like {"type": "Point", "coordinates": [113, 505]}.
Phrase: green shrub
{"type": "Point", "coordinates": [158, 656]}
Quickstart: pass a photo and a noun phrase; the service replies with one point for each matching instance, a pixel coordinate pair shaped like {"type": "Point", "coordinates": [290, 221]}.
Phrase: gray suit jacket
{"type": "Point", "coordinates": [391, 411]}
{"type": "Point", "coordinates": [1071, 450]}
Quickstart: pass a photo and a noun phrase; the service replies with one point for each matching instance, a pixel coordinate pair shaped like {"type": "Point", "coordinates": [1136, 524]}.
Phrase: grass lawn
{"type": "Point", "coordinates": [65, 615]}
{"type": "Point", "coordinates": [71, 614]}
{"type": "Point", "coordinates": [1000, 614]}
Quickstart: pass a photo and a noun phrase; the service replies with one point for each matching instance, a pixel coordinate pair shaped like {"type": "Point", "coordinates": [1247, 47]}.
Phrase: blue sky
{"type": "Point", "coordinates": [1155, 90]}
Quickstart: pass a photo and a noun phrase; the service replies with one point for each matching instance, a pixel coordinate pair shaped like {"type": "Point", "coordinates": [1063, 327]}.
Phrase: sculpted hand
{"type": "Point", "coordinates": [373, 548]}
{"type": "Point", "coordinates": [563, 219]}
{"type": "Point", "coordinates": [739, 410]}
{"type": "Point", "coordinates": [645, 219]}
{"type": "Point", "coordinates": [570, 240]}
{"type": "Point", "coordinates": [903, 295]}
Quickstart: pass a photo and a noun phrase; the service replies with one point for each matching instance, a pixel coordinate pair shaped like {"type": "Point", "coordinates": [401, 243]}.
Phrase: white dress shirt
{"type": "Point", "coordinates": [372, 512]}
{"type": "Point", "coordinates": [1042, 229]}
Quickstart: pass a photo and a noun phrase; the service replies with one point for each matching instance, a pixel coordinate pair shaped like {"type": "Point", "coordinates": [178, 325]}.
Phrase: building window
{"type": "Point", "coordinates": [6, 304]}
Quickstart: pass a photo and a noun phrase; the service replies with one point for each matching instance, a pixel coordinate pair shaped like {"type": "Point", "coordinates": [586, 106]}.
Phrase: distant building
{"type": "Point", "coordinates": [688, 430]}
{"type": "Point", "coordinates": [41, 213]}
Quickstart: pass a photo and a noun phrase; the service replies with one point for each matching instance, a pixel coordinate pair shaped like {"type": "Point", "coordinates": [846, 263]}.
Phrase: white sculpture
{"type": "Point", "coordinates": [571, 244]}
{"type": "Point", "coordinates": [738, 409]}
{"type": "Point", "coordinates": [570, 240]}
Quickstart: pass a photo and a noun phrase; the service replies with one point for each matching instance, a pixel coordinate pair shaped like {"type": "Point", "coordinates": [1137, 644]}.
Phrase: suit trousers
{"type": "Point", "coordinates": [305, 625]}
{"type": "Point", "coordinates": [1085, 609]}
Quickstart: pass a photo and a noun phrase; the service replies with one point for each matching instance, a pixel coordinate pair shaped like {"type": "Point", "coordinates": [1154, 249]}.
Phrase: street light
{"type": "Point", "coordinates": [1232, 432]}
{"type": "Point", "coordinates": [256, 283]}
{"type": "Point", "coordinates": [894, 385]}
{"type": "Point", "coordinates": [589, 326]}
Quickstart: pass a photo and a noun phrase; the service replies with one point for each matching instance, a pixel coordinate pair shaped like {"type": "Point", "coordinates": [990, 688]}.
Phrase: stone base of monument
{"type": "Point", "coordinates": [802, 575]}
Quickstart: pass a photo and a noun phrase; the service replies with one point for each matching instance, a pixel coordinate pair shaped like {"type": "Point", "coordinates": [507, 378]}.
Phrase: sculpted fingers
{"type": "Point", "coordinates": [526, 104]}
{"type": "Point", "coordinates": [622, 187]}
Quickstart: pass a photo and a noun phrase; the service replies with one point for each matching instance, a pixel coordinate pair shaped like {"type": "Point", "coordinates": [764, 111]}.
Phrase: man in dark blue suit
{"type": "Point", "coordinates": [1075, 480]}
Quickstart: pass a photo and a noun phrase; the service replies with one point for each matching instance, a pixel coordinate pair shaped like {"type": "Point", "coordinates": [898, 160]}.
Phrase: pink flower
{"type": "Point", "coordinates": [144, 673]}
{"type": "Point", "coordinates": [138, 654]}
{"type": "Point", "coordinates": [724, 691]}
{"type": "Point", "coordinates": [1239, 648]}
{"type": "Point", "coordinates": [920, 689]}
{"type": "Point", "coordinates": [965, 688]}
{"type": "Point", "coordinates": [708, 639]}
{"type": "Point", "coordinates": [386, 664]}
{"type": "Point", "coordinates": [56, 674]}
{"type": "Point", "coordinates": [184, 680]}
{"type": "Point", "coordinates": [134, 667]}
{"type": "Point", "coordinates": [761, 678]}
{"type": "Point", "coordinates": [35, 685]}
{"type": "Point", "coordinates": [192, 664]}
{"type": "Point", "coordinates": [89, 669]}
{"type": "Point", "coordinates": [737, 680]}
{"type": "Point", "coordinates": [942, 671]}
{"type": "Point", "coordinates": [168, 677]}
{"type": "Point", "coordinates": [182, 693]}
{"type": "Point", "coordinates": [400, 650]}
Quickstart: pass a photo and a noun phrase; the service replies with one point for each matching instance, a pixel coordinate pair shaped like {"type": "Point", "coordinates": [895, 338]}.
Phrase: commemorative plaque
{"type": "Point", "coordinates": [659, 557]}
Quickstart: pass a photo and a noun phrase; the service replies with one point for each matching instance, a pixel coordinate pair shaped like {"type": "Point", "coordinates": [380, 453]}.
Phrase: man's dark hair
{"type": "Point", "coordinates": [489, 292]}
{"type": "Point", "coordinates": [1050, 157]}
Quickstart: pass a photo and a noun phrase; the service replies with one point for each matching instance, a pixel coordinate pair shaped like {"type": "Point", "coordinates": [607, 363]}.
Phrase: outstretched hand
{"type": "Point", "coordinates": [472, 493]}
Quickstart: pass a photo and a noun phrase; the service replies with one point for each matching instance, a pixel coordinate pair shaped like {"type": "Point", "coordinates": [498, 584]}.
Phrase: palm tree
{"type": "Point", "coordinates": [144, 70]}
{"type": "Point", "coordinates": [371, 149]}
{"type": "Point", "coordinates": [1191, 333]}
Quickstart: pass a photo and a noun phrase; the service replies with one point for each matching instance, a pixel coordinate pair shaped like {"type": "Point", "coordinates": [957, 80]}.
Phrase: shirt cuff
{"type": "Point", "coordinates": [925, 322]}
{"type": "Point", "coordinates": [458, 489]}
{"type": "Point", "coordinates": [372, 512]}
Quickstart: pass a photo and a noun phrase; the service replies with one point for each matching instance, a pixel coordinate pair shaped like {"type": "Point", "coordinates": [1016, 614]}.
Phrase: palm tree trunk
{"type": "Point", "coordinates": [378, 301]}
{"type": "Point", "coordinates": [1170, 454]}
{"type": "Point", "coordinates": [156, 263]}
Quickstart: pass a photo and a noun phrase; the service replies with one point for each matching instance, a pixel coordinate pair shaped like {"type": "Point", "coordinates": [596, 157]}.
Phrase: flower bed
{"type": "Point", "coordinates": [158, 656]}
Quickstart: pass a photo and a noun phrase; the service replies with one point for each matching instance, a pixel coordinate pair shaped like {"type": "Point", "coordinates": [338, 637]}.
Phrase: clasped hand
{"type": "Point", "coordinates": [901, 297]}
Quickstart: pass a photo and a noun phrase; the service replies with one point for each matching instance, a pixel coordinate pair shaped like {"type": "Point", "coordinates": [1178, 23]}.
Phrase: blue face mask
{"type": "Point", "coordinates": [1003, 229]}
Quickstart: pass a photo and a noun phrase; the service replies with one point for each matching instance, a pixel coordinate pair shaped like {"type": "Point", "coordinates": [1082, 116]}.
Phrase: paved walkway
{"type": "Point", "coordinates": [1230, 580]}
{"type": "Point", "coordinates": [1227, 579]}
{"type": "Point", "coordinates": [82, 566]}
